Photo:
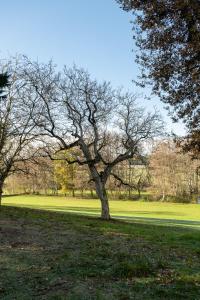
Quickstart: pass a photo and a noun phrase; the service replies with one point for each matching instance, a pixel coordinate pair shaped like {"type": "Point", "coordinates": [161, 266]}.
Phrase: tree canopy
{"type": "Point", "coordinates": [167, 33]}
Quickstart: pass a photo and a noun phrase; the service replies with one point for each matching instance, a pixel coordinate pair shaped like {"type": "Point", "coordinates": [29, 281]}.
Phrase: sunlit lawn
{"type": "Point", "coordinates": [145, 212]}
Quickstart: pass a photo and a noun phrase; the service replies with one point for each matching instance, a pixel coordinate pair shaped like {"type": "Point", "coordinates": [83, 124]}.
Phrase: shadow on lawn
{"type": "Point", "coordinates": [158, 221]}
{"type": "Point", "coordinates": [51, 261]}
{"type": "Point", "coordinates": [90, 211]}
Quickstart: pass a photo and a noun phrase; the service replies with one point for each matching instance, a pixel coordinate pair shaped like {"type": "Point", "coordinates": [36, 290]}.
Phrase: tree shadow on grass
{"type": "Point", "coordinates": [158, 221]}
{"type": "Point", "coordinates": [91, 211]}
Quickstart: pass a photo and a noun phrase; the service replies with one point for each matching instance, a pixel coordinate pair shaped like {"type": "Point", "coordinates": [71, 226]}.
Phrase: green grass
{"type": "Point", "coordinates": [51, 255]}
{"type": "Point", "coordinates": [144, 212]}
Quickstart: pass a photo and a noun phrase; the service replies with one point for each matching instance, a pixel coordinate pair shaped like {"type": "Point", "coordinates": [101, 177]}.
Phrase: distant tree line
{"type": "Point", "coordinates": [165, 174]}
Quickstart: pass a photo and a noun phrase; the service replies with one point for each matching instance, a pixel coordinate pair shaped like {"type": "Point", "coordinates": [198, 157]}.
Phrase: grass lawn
{"type": "Point", "coordinates": [51, 255]}
{"type": "Point", "coordinates": [144, 212]}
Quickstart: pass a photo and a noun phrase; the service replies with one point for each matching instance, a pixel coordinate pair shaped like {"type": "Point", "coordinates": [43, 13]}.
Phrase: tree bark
{"type": "Point", "coordinates": [101, 192]}
{"type": "Point", "coordinates": [1, 192]}
{"type": "Point", "coordinates": [91, 193]}
{"type": "Point", "coordinates": [163, 196]}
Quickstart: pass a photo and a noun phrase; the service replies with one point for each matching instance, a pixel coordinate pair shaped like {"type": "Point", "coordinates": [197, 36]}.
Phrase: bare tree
{"type": "Point", "coordinates": [78, 112]}
{"type": "Point", "coordinates": [174, 173]}
{"type": "Point", "coordinates": [39, 178]}
{"type": "Point", "coordinates": [15, 123]}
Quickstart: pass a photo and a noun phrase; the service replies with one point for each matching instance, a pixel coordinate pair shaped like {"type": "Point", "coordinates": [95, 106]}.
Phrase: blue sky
{"type": "Point", "coordinates": [94, 34]}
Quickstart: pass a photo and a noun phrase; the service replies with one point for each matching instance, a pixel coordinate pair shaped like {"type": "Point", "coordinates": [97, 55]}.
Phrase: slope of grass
{"type": "Point", "coordinates": [144, 212]}
{"type": "Point", "coordinates": [49, 255]}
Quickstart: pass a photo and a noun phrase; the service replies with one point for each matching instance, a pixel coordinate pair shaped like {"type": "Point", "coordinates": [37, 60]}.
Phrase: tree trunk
{"type": "Point", "coordinates": [101, 192]}
{"type": "Point", "coordinates": [163, 196]}
{"type": "Point", "coordinates": [91, 193]}
{"type": "Point", "coordinates": [1, 192]}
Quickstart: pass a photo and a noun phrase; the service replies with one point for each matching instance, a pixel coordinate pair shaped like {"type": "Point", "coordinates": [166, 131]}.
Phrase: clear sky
{"type": "Point", "coordinates": [94, 34]}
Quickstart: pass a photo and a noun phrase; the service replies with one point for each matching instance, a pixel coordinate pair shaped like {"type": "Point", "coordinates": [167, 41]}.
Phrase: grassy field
{"type": "Point", "coordinates": [143, 212]}
{"type": "Point", "coordinates": [51, 255]}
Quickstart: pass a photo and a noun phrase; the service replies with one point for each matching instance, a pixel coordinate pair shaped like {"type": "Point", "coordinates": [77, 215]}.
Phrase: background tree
{"type": "Point", "coordinates": [38, 178]}
{"type": "Point", "coordinates": [135, 174]}
{"type": "Point", "coordinates": [173, 174]}
{"type": "Point", "coordinates": [65, 173]}
{"type": "Point", "coordinates": [105, 125]}
{"type": "Point", "coordinates": [167, 33]}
